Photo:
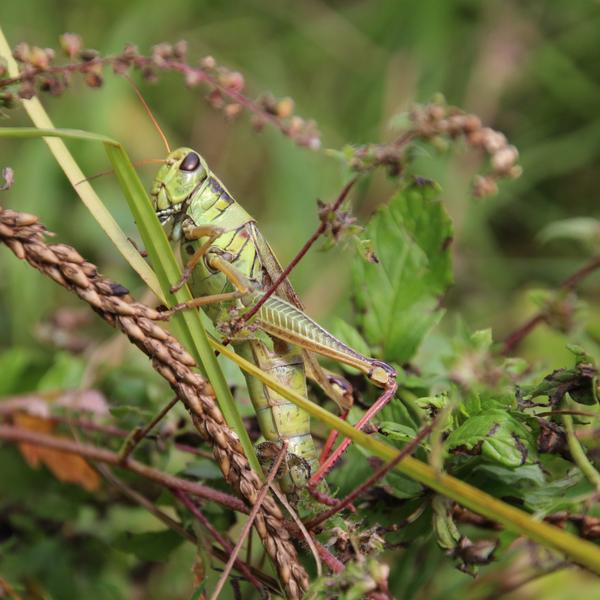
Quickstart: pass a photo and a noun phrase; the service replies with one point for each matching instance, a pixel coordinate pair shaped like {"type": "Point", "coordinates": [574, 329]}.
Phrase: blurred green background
{"type": "Point", "coordinates": [529, 69]}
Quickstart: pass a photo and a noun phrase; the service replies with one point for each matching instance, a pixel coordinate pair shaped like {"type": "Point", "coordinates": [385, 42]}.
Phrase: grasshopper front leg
{"type": "Point", "coordinates": [195, 233]}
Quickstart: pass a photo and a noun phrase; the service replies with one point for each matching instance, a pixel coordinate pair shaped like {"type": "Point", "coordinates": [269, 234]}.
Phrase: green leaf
{"type": "Point", "coordinates": [495, 435]}
{"type": "Point", "coordinates": [152, 545]}
{"type": "Point", "coordinates": [398, 298]}
{"type": "Point", "coordinates": [397, 431]}
{"type": "Point", "coordinates": [581, 229]}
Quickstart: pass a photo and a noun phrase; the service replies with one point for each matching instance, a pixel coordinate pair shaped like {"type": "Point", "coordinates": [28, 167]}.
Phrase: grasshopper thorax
{"type": "Point", "coordinates": [179, 177]}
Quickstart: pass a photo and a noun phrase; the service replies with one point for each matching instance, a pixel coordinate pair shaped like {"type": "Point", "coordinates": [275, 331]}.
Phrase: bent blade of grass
{"type": "Point", "coordinates": [86, 192]}
{"type": "Point", "coordinates": [189, 324]}
{"type": "Point", "coordinates": [513, 519]}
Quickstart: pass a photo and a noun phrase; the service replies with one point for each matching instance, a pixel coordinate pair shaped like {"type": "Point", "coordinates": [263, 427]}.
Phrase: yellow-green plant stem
{"type": "Point", "coordinates": [513, 519]}
{"type": "Point", "coordinates": [579, 456]}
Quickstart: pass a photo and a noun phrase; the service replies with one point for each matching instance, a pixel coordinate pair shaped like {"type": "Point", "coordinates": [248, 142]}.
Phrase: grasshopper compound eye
{"type": "Point", "coordinates": [190, 163]}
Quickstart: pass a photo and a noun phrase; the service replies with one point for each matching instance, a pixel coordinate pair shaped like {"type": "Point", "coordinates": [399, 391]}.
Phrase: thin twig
{"type": "Point", "coordinates": [307, 537]}
{"type": "Point", "coordinates": [371, 481]}
{"type": "Point", "coordinates": [139, 433]}
{"type": "Point", "coordinates": [325, 467]}
{"type": "Point", "coordinates": [122, 433]}
{"type": "Point", "coordinates": [16, 434]}
{"type": "Point", "coordinates": [248, 525]}
{"type": "Point", "coordinates": [21, 403]}
{"type": "Point", "coordinates": [220, 539]}
{"type": "Point", "coordinates": [300, 255]}
{"type": "Point", "coordinates": [569, 284]}
{"type": "Point", "coordinates": [151, 507]}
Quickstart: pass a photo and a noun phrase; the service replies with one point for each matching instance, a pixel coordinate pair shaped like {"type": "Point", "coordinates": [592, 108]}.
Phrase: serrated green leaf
{"type": "Point", "coordinates": [496, 435]}
{"type": "Point", "coordinates": [398, 298]}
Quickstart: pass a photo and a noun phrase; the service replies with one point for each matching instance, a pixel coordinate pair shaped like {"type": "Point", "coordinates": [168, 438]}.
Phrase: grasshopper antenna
{"type": "Point", "coordinates": [149, 113]}
{"type": "Point", "coordinates": [135, 163]}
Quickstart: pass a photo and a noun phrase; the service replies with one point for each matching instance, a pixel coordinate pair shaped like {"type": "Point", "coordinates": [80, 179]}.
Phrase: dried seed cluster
{"type": "Point", "coordinates": [39, 73]}
{"type": "Point", "coordinates": [438, 123]}
{"type": "Point", "coordinates": [437, 120]}
{"type": "Point", "coordinates": [24, 235]}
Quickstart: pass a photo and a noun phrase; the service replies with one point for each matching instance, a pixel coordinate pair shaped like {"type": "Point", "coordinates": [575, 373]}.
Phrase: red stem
{"type": "Point", "coordinates": [387, 395]}
{"type": "Point", "coordinates": [517, 336]}
{"type": "Point", "coordinates": [371, 481]}
{"type": "Point", "coordinates": [313, 238]}
{"type": "Point", "coordinates": [220, 539]}
{"type": "Point", "coordinates": [16, 434]}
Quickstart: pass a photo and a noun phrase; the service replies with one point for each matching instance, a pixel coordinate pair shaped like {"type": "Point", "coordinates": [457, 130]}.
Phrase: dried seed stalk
{"type": "Point", "coordinates": [24, 235]}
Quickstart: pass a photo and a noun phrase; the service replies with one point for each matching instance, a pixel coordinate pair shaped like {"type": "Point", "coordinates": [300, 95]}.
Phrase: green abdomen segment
{"type": "Point", "coordinates": [278, 418]}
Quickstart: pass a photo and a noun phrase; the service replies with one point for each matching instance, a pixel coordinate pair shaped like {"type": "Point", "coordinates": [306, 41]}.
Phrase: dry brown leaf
{"type": "Point", "coordinates": [41, 403]}
{"type": "Point", "coordinates": [65, 466]}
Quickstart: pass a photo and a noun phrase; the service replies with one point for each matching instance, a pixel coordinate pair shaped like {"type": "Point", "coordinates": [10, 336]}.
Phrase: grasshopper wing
{"type": "Point", "coordinates": [273, 268]}
{"type": "Point", "coordinates": [335, 386]}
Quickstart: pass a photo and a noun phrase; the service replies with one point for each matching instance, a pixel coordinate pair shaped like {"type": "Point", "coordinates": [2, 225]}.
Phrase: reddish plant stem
{"type": "Point", "coordinates": [333, 434]}
{"type": "Point", "coordinates": [325, 467]}
{"type": "Point", "coordinates": [122, 433]}
{"type": "Point", "coordinates": [307, 246]}
{"type": "Point", "coordinates": [220, 539]}
{"type": "Point", "coordinates": [371, 481]}
{"type": "Point", "coordinates": [569, 284]}
{"type": "Point", "coordinates": [333, 564]}
{"type": "Point", "coordinates": [248, 525]}
{"type": "Point", "coordinates": [147, 504]}
{"type": "Point", "coordinates": [111, 430]}
{"type": "Point", "coordinates": [16, 434]}
{"type": "Point", "coordinates": [517, 336]}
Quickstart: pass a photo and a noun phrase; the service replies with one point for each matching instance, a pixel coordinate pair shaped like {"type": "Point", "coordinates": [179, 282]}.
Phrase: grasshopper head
{"type": "Point", "coordinates": [183, 171]}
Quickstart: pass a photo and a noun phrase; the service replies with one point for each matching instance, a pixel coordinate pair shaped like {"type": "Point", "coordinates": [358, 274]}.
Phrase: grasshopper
{"type": "Point", "coordinates": [230, 267]}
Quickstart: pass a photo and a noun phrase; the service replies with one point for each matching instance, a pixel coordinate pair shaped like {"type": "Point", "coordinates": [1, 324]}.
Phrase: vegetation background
{"type": "Point", "coordinates": [527, 69]}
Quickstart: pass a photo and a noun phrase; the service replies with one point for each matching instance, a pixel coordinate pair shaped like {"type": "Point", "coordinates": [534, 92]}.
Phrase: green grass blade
{"type": "Point", "coordinates": [189, 322]}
